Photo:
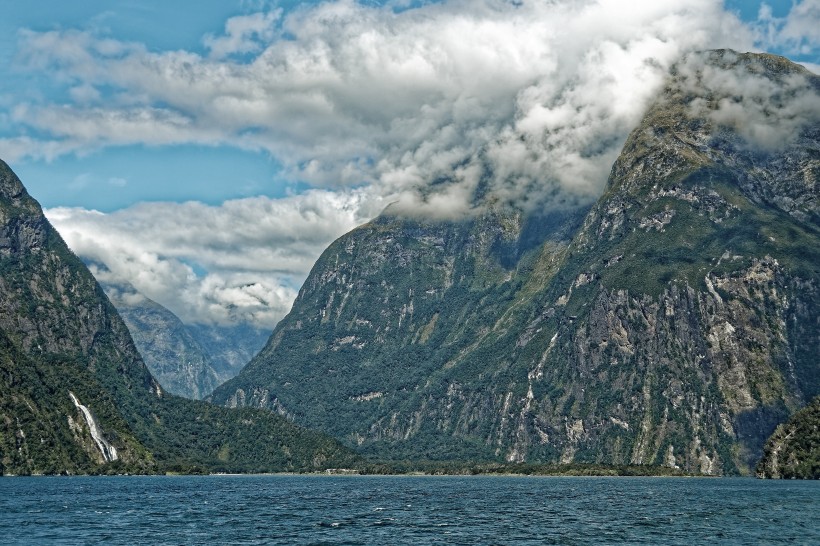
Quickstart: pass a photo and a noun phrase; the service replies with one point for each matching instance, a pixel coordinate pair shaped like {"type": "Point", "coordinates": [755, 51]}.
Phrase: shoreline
{"type": "Point", "coordinates": [574, 471]}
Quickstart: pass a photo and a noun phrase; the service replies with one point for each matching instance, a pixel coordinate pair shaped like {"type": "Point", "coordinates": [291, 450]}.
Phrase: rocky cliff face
{"type": "Point", "coordinates": [170, 351]}
{"type": "Point", "coordinates": [228, 348]}
{"type": "Point", "coordinates": [381, 309]}
{"type": "Point", "coordinates": [75, 395]}
{"type": "Point", "coordinates": [678, 326]}
{"type": "Point", "coordinates": [61, 335]}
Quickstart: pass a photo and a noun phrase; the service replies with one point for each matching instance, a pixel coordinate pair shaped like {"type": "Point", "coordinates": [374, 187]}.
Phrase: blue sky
{"type": "Point", "coordinates": [140, 125]}
{"type": "Point", "coordinates": [175, 173]}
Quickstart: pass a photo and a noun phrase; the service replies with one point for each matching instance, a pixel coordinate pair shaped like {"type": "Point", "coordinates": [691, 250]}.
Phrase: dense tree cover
{"type": "Point", "coordinates": [793, 451]}
{"type": "Point", "coordinates": [192, 434]}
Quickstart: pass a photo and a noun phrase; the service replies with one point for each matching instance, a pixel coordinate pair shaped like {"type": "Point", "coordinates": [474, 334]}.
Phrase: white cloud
{"type": "Point", "coordinates": [242, 261]}
{"type": "Point", "coordinates": [243, 34]}
{"type": "Point", "coordinates": [538, 96]}
{"type": "Point", "coordinates": [812, 67]}
{"type": "Point", "coordinates": [13, 149]}
{"type": "Point", "coordinates": [84, 94]}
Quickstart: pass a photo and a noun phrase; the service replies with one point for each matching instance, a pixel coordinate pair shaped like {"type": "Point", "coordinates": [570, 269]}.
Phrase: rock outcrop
{"type": "Point", "coordinates": [187, 360]}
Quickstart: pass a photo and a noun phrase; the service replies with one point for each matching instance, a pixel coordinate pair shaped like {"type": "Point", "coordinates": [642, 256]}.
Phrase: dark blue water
{"type": "Point", "coordinates": [406, 510]}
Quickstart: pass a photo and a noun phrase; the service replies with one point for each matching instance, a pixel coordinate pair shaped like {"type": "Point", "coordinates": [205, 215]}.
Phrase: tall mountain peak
{"type": "Point", "coordinates": [677, 324]}
{"type": "Point", "coordinates": [11, 189]}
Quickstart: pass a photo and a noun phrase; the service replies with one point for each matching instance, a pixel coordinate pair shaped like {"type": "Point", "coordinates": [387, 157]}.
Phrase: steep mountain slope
{"type": "Point", "coordinates": [187, 360]}
{"type": "Point", "coordinates": [75, 395]}
{"type": "Point", "coordinates": [170, 352]}
{"type": "Point", "coordinates": [678, 327]}
{"type": "Point", "coordinates": [228, 348]}
{"type": "Point", "coordinates": [690, 297]}
{"type": "Point", "coordinates": [793, 451]}
{"type": "Point", "coordinates": [59, 335]}
{"type": "Point", "coordinates": [383, 309]}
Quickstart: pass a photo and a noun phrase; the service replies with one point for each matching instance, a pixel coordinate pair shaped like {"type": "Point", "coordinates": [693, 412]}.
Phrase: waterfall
{"type": "Point", "coordinates": [108, 451]}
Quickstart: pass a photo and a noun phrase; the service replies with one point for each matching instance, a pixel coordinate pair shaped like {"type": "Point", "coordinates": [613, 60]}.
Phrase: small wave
{"type": "Point", "coordinates": [332, 524]}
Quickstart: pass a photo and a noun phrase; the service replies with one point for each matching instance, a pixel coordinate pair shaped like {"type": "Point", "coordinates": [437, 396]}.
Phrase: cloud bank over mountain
{"type": "Point", "coordinates": [537, 95]}
{"type": "Point", "coordinates": [241, 261]}
{"type": "Point", "coordinates": [417, 107]}
{"type": "Point", "coordinates": [768, 114]}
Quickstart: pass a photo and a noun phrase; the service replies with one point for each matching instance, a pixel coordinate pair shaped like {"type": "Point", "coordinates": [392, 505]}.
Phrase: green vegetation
{"type": "Point", "coordinates": [793, 451]}
{"type": "Point", "coordinates": [393, 305]}
{"type": "Point", "coordinates": [669, 329]}
{"type": "Point", "coordinates": [190, 434]}
{"type": "Point", "coordinates": [456, 468]}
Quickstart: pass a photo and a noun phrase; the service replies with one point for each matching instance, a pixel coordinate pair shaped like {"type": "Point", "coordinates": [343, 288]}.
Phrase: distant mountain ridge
{"type": "Point", "coordinates": [75, 396]}
{"type": "Point", "coordinates": [187, 360]}
{"type": "Point", "coordinates": [675, 323]}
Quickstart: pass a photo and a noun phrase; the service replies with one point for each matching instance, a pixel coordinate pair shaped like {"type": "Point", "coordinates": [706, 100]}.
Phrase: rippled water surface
{"type": "Point", "coordinates": [406, 510]}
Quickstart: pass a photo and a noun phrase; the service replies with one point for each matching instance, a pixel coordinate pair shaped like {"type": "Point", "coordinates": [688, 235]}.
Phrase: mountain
{"type": "Point", "coordinates": [228, 347]}
{"type": "Point", "coordinates": [169, 351]}
{"type": "Point", "coordinates": [673, 323]}
{"type": "Point", "coordinates": [187, 360]}
{"type": "Point", "coordinates": [793, 451]}
{"type": "Point", "coordinates": [75, 396]}
{"type": "Point", "coordinates": [381, 316]}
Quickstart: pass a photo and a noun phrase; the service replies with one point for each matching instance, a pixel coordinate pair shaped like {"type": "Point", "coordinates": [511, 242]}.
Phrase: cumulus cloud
{"type": "Point", "coordinates": [534, 98]}
{"type": "Point", "coordinates": [241, 261]}
{"type": "Point", "coordinates": [243, 34]}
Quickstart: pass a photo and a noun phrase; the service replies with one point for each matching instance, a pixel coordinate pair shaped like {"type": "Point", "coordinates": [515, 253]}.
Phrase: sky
{"type": "Point", "coordinates": [206, 152]}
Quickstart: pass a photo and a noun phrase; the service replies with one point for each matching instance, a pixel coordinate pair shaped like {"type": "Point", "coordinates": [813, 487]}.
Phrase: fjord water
{"type": "Point", "coordinates": [406, 510]}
